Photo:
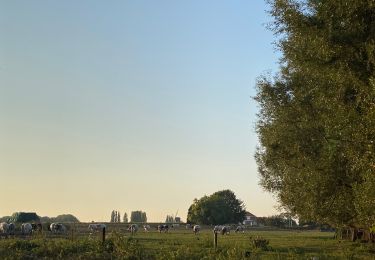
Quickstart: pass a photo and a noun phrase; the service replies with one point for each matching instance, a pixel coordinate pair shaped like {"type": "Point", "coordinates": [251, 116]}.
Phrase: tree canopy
{"type": "Point", "coordinates": [219, 208]}
{"type": "Point", "coordinates": [138, 216]}
{"type": "Point", "coordinates": [21, 217]}
{"type": "Point", "coordinates": [317, 115]}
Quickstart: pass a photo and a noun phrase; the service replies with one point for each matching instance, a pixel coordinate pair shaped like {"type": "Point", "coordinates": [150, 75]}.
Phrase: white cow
{"type": "Point", "coordinates": [133, 228]}
{"type": "Point", "coordinates": [4, 228]}
{"type": "Point", "coordinates": [93, 228]}
{"type": "Point", "coordinates": [26, 229]}
{"type": "Point", "coordinates": [224, 230]}
{"type": "Point", "coordinates": [146, 228]}
{"type": "Point", "coordinates": [196, 229]}
{"type": "Point", "coordinates": [57, 228]}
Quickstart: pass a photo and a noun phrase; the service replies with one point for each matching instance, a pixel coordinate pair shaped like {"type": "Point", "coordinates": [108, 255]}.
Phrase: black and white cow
{"type": "Point", "coordinates": [11, 228]}
{"type": "Point", "coordinates": [196, 229]}
{"type": "Point", "coordinates": [163, 228]}
{"type": "Point", "coordinates": [146, 228]}
{"type": "Point", "coordinates": [57, 228]}
{"type": "Point", "coordinates": [224, 230]}
{"type": "Point", "coordinates": [133, 228]}
{"type": "Point", "coordinates": [240, 229]}
{"type": "Point", "coordinates": [37, 227]}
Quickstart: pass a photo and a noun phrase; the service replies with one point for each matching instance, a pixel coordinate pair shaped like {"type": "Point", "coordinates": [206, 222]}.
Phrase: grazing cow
{"type": "Point", "coordinates": [133, 228]}
{"type": "Point", "coordinates": [11, 228]}
{"type": "Point", "coordinates": [4, 228]}
{"type": "Point", "coordinates": [26, 228]}
{"type": "Point", "coordinates": [163, 228]}
{"type": "Point", "coordinates": [146, 228]}
{"type": "Point", "coordinates": [37, 227]}
{"type": "Point", "coordinates": [196, 229]}
{"type": "Point", "coordinates": [93, 228]}
{"type": "Point", "coordinates": [224, 230]}
{"type": "Point", "coordinates": [57, 228]}
{"type": "Point", "coordinates": [240, 229]}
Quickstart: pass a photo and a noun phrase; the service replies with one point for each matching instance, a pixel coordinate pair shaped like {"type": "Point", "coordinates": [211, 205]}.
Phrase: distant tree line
{"type": "Point", "coordinates": [279, 221]}
{"type": "Point", "coordinates": [22, 217]}
{"type": "Point", "coordinates": [135, 216]}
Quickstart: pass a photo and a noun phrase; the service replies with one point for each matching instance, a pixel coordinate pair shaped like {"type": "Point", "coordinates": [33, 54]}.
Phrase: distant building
{"type": "Point", "coordinates": [177, 220]}
{"type": "Point", "coordinates": [250, 219]}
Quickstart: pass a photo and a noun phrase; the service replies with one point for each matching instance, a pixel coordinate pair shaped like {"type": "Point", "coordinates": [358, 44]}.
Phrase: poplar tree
{"type": "Point", "coordinates": [317, 115]}
{"type": "Point", "coordinates": [125, 218]}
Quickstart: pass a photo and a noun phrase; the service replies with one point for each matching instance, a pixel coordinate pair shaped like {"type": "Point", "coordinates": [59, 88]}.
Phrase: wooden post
{"type": "Point", "coordinates": [103, 237]}
{"type": "Point", "coordinates": [215, 240]}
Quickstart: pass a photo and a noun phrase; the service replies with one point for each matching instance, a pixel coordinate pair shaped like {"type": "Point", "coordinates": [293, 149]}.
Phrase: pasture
{"type": "Point", "coordinates": [180, 243]}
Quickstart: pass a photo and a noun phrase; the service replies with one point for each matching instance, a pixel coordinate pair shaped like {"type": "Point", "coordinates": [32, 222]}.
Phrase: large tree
{"type": "Point", "coordinates": [220, 208]}
{"type": "Point", "coordinates": [317, 116]}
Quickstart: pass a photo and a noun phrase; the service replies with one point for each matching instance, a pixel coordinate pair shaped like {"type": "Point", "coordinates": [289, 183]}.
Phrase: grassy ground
{"type": "Point", "coordinates": [183, 244]}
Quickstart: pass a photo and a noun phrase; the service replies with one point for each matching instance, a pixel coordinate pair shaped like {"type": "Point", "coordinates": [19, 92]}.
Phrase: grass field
{"type": "Point", "coordinates": [182, 244]}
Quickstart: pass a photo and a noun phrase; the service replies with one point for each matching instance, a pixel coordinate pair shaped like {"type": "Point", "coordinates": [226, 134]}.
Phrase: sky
{"type": "Point", "coordinates": [130, 105]}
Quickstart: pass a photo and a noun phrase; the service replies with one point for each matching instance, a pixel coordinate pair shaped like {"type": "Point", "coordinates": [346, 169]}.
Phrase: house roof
{"type": "Point", "coordinates": [248, 214]}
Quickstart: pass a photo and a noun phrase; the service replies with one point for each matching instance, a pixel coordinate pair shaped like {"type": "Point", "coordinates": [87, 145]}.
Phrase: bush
{"type": "Point", "coordinates": [259, 242]}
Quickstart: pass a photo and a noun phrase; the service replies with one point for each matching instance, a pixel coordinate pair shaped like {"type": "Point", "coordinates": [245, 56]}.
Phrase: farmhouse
{"type": "Point", "coordinates": [250, 219]}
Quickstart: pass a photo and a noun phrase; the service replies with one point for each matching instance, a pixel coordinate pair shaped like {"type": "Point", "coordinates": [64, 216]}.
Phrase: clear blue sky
{"type": "Point", "coordinates": [130, 105]}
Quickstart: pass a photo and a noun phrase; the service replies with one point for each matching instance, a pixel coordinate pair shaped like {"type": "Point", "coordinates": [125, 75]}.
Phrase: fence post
{"type": "Point", "coordinates": [215, 240]}
{"type": "Point", "coordinates": [103, 237]}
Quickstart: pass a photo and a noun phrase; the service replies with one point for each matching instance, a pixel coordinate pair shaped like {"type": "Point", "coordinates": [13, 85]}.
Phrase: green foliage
{"type": "Point", "coordinates": [317, 116]}
{"type": "Point", "coordinates": [125, 218]}
{"type": "Point", "coordinates": [220, 208]}
{"type": "Point", "coordinates": [259, 242]}
{"type": "Point", "coordinates": [21, 217]}
{"type": "Point", "coordinates": [138, 216]}
{"type": "Point", "coordinates": [65, 218]}
{"type": "Point", "coordinates": [182, 244]}
{"type": "Point", "coordinates": [276, 221]}
{"type": "Point", "coordinates": [5, 218]}
{"type": "Point", "coordinates": [115, 216]}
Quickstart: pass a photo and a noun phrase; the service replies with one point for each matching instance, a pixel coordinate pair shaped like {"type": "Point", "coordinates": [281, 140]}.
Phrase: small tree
{"type": "Point", "coordinates": [118, 217]}
{"type": "Point", "coordinates": [112, 216]}
{"type": "Point", "coordinates": [125, 218]}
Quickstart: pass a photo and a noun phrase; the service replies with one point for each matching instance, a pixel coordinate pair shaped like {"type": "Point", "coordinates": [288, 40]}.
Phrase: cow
{"type": "Point", "coordinates": [146, 228]}
{"type": "Point", "coordinates": [4, 229]}
{"type": "Point", "coordinates": [224, 230]}
{"type": "Point", "coordinates": [93, 228]}
{"type": "Point", "coordinates": [163, 228]}
{"type": "Point", "coordinates": [133, 228]}
{"type": "Point", "coordinates": [11, 228]}
{"type": "Point", "coordinates": [26, 229]}
{"type": "Point", "coordinates": [57, 228]}
{"type": "Point", "coordinates": [37, 227]}
{"type": "Point", "coordinates": [196, 229]}
{"type": "Point", "coordinates": [240, 229]}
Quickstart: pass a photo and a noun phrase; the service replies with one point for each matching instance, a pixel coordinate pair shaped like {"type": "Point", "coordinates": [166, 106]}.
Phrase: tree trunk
{"type": "Point", "coordinates": [353, 234]}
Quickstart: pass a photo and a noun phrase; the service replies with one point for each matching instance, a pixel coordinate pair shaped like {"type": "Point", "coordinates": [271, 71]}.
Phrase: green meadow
{"type": "Point", "coordinates": [183, 244]}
